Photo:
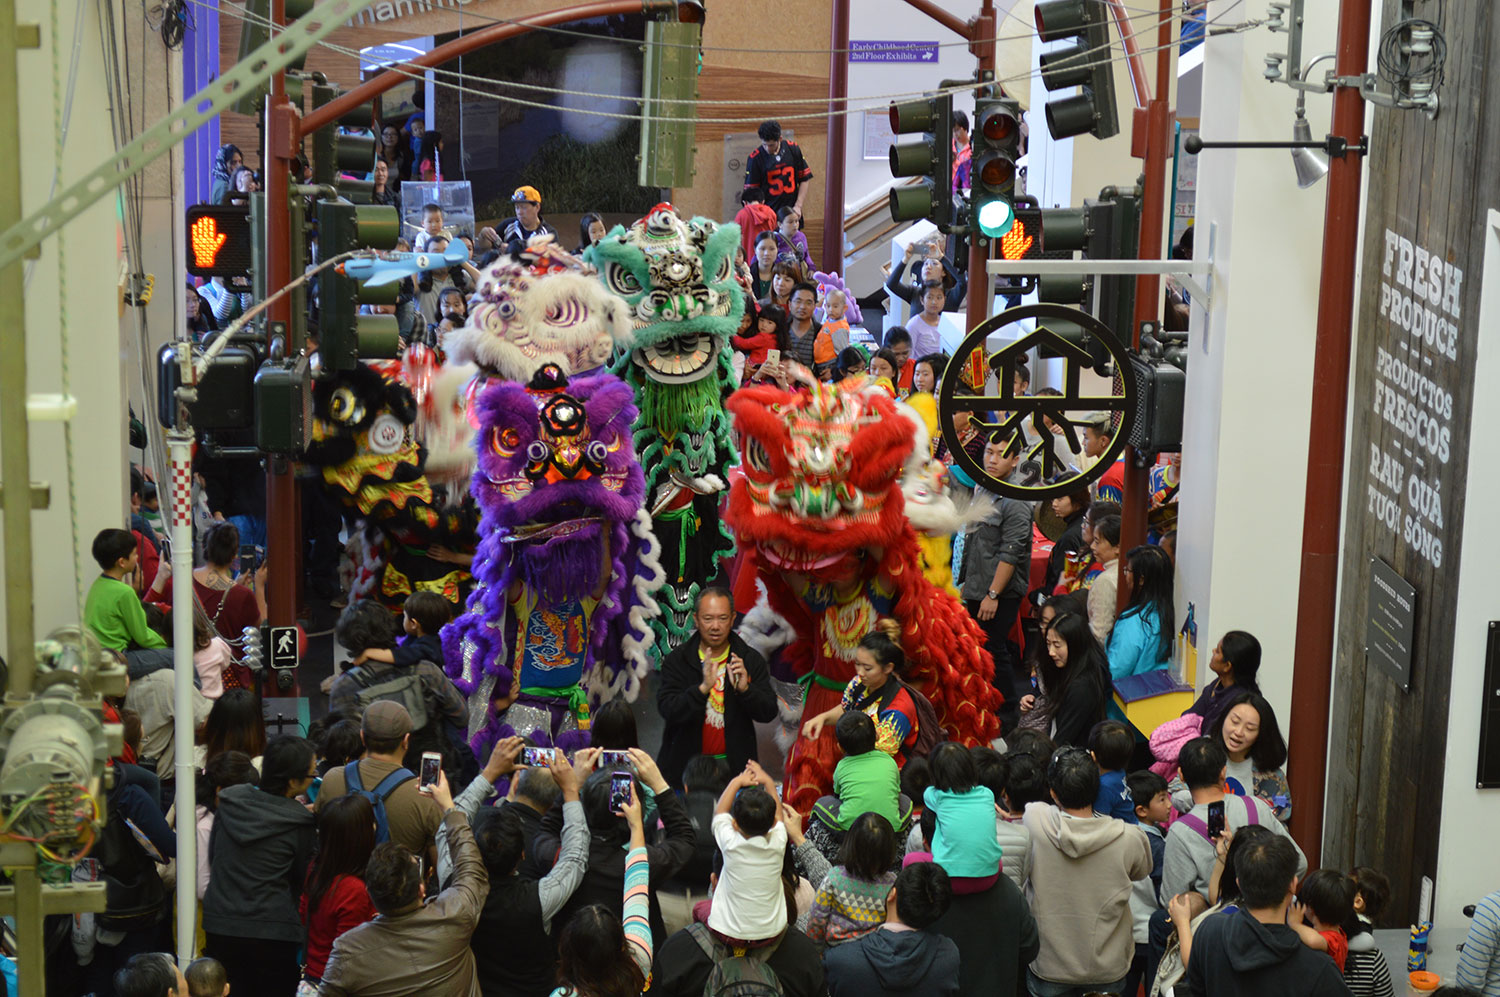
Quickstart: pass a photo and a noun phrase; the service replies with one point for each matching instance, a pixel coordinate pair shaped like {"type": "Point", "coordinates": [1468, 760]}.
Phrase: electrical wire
{"type": "Point", "coordinates": [1141, 12]}
{"type": "Point", "coordinates": [791, 101]}
{"type": "Point", "coordinates": [820, 115]}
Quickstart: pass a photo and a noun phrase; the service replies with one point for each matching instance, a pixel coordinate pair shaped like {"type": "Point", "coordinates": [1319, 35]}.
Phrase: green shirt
{"type": "Point", "coordinates": [115, 614]}
{"type": "Point", "coordinates": [867, 783]}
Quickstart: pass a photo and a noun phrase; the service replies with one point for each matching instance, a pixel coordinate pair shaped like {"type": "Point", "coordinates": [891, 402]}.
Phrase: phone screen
{"type": "Point", "coordinates": [432, 764]}
{"type": "Point", "coordinates": [539, 757]}
{"type": "Point", "coordinates": [608, 757]}
{"type": "Point", "coordinates": [1215, 818]}
{"type": "Point", "coordinates": [619, 791]}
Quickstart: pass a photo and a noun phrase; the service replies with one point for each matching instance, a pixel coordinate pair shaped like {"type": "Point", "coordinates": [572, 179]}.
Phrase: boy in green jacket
{"type": "Point", "coordinates": [113, 610]}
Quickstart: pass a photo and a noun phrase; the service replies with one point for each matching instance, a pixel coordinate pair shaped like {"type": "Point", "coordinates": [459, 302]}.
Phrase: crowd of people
{"type": "Point", "coordinates": [376, 855]}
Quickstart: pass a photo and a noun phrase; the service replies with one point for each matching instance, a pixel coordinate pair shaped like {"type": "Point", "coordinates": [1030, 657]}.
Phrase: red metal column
{"type": "Point", "coordinates": [1312, 662]}
{"type": "Point", "coordinates": [283, 513]}
{"type": "Point", "coordinates": [838, 125]}
{"type": "Point", "coordinates": [1158, 120]}
{"type": "Point", "coordinates": [981, 35]}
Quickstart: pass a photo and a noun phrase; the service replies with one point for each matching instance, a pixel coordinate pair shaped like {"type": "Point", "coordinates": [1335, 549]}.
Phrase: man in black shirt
{"type": "Point", "coordinates": [779, 169]}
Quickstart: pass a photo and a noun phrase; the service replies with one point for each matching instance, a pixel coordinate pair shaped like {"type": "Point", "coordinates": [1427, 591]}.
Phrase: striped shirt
{"type": "Point", "coordinates": [1478, 967]}
{"type": "Point", "coordinates": [637, 919]}
{"type": "Point", "coordinates": [1366, 974]}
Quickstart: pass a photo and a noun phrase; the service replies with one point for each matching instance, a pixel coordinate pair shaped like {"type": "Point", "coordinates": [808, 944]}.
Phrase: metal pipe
{"type": "Point", "coordinates": [838, 125]}
{"type": "Point", "coordinates": [397, 75]}
{"type": "Point", "coordinates": [1133, 55]}
{"type": "Point", "coordinates": [180, 464]}
{"type": "Point", "coordinates": [15, 446]}
{"type": "Point", "coordinates": [1312, 661]}
{"type": "Point", "coordinates": [964, 29]}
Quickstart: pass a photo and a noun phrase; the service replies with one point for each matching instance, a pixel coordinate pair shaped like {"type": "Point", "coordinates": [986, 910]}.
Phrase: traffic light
{"type": "Point", "coordinates": [929, 157]}
{"type": "Point", "coordinates": [334, 154]}
{"type": "Point", "coordinates": [1086, 64]}
{"type": "Point", "coordinates": [255, 31]}
{"type": "Point", "coordinates": [669, 87]}
{"type": "Point", "coordinates": [220, 243]}
{"type": "Point", "coordinates": [1161, 395]}
{"type": "Point", "coordinates": [345, 336]}
{"type": "Point", "coordinates": [1104, 229]}
{"type": "Point", "coordinates": [997, 147]}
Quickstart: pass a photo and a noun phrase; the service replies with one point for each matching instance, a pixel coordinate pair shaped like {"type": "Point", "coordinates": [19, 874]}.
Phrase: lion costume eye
{"type": "Point", "coordinates": [756, 457]}
{"type": "Point", "coordinates": [725, 269]}
{"type": "Point", "coordinates": [506, 309]}
{"type": "Point", "coordinates": [620, 280]}
{"type": "Point", "coordinates": [345, 406]}
{"type": "Point", "coordinates": [505, 442]}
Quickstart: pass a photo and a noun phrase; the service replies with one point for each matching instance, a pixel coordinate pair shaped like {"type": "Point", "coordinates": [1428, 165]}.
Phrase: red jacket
{"type": "Point", "coordinates": [344, 906]}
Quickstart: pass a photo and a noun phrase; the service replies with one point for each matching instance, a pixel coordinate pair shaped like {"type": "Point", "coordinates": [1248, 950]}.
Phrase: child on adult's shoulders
{"type": "Point", "coordinates": [749, 905]}
{"type": "Point", "coordinates": [422, 616]}
{"type": "Point", "coordinates": [866, 780]}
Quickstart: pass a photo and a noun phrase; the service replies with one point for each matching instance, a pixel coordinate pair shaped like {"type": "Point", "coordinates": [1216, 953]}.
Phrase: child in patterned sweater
{"type": "Point", "coordinates": [851, 901]}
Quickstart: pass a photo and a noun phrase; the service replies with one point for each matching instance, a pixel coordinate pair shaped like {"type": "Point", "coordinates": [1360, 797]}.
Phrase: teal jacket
{"type": "Point", "coordinates": [1133, 644]}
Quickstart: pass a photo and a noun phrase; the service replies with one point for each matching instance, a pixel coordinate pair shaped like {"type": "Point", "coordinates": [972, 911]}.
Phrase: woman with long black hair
{"type": "Point", "coordinates": [1074, 677]}
{"type": "Point", "coordinates": [335, 898]}
{"type": "Point", "coordinates": [1142, 637]}
{"type": "Point", "coordinates": [1235, 662]}
{"type": "Point", "coordinates": [1252, 739]}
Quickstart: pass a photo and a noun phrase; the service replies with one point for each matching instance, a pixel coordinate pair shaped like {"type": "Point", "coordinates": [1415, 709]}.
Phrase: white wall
{"type": "Point", "coordinates": [97, 355]}
{"type": "Point", "coordinates": [1468, 867]}
{"type": "Point", "coordinates": [892, 20]}
{"type": "Point", "coordinates": [1250, 361]}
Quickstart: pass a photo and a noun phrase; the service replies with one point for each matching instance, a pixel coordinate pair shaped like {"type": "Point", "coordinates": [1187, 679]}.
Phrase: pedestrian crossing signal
{"type": "Point", "coordinates": [219, 243]}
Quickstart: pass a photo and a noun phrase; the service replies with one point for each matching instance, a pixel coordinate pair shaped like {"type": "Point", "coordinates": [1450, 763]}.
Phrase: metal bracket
{"type": "Point", "coordinates": [1184, 270]}
{"type": "Point", "coordinates": [272, 57]}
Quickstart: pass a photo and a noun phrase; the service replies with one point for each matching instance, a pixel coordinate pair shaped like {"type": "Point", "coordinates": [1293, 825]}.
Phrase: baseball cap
{"type": "Point", "coordinates": [386, 720]}
{"type": "Point", "coordinates": [526, 194]}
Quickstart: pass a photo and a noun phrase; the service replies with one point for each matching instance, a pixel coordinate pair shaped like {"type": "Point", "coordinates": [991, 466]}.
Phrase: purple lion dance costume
{"type": "Point", "coordinates": [566, 566]}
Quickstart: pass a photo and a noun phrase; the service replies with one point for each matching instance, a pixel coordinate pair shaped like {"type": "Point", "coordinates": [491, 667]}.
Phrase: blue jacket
{"type": "Point", "coordinates": [1133, 644]}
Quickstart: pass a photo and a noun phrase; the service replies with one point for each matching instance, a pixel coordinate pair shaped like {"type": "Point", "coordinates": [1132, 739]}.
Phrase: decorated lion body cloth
{"type": "Point", "coordinates": [566, 565]}
{"type": "Point", "coordinates": [820, 513]}
{"type": "Point", "coordinates": [677, 276]}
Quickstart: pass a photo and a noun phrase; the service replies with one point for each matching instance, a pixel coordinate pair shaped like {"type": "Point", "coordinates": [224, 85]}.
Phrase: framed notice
{"type": "Point", "coordinates": [878, 134]}
{"type": "Point", "coordinates": [1391, 622]}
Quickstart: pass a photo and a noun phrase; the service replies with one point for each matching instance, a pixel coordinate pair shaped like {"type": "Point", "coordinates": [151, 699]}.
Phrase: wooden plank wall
{"type": "Point", "coordinates": [729, 72]}
{"type": "Point", "coordinates": [1388, 746]}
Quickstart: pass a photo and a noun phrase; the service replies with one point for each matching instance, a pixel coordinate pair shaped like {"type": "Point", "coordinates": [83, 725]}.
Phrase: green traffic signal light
{"type": "Point", "coordinates": [997, 146]}
{"type": "Point", "coordinates": [996, 218]}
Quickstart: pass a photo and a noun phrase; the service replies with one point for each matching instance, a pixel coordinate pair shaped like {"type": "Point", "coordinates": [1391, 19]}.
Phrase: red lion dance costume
{"type": "Point", "coordinates": [820, 513]}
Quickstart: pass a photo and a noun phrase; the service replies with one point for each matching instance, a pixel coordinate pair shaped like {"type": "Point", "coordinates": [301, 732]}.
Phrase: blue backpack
{"type": "Point", "coordinates": [378, 795]}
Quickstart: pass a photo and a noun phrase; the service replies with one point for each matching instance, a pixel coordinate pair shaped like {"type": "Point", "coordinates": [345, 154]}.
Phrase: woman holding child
{"type": "Point", "coordinates": [877, 690]}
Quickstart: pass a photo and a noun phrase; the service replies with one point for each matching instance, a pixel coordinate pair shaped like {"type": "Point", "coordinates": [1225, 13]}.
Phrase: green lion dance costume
{"type": "Point", "coordinates": [678, 278]}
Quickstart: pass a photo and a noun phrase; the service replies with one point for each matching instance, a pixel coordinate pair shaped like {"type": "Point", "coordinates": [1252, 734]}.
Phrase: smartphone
{"type": "Point", "coordinates": [432, 765]}
{"type": "Point", "coordinates": [619, 791]}
{"type": "Point", "coordinates": [1216, 818]}
{"type": "Point", "coordinates": [538, 757]}
{"type": "Point", "coordinates": [773, 356]}
{"type": "Point", "coordinates": [609, 757]}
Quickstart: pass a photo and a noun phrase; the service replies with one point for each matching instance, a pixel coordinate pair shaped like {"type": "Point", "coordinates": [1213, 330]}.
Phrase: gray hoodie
{"type": "Point", "coordinates": [260, 847]}
{"type": "Point", "coordinates": [1081, 874]}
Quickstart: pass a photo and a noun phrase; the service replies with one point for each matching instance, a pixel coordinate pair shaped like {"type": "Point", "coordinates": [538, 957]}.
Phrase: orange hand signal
{"type": "Point", "coordinates": [206, 240]}
{"type": "Point", "coordinates": [1015, 243]}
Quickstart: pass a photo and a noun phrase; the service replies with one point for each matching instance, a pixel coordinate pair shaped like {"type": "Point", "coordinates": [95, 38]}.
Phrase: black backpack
{"type": "Point", "coordinates": [930, 731]}
{"type": "Point", "coordinates": [134, 894]}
